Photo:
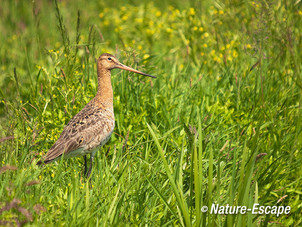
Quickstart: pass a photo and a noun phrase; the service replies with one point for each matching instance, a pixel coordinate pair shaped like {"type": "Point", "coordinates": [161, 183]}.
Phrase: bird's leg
{"type": "Point", "coordinates": [85, 165]}
{"type": "Point", "coordinates": [90, 167]}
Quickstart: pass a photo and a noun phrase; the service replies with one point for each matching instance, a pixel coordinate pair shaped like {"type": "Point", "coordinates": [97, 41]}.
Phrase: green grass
{"type": "Point", "coordinates": [220, 124]}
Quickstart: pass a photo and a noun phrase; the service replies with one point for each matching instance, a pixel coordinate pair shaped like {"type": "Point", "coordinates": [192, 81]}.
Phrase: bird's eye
{"type": "Point", "coordinates": [109, 59]}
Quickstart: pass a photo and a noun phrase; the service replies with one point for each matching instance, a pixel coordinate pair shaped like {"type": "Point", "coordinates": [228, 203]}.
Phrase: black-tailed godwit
{"type": "Point", "coordinates": [92, 127]}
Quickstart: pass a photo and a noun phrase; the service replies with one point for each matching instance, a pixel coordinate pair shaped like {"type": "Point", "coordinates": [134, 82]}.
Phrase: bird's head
{"type": "Point", "coordinates": [109, 62]}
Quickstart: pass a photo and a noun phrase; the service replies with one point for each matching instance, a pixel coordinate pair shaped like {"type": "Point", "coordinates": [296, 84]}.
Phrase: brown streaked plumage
{"type": "Point", "coordinates": [93, 125]}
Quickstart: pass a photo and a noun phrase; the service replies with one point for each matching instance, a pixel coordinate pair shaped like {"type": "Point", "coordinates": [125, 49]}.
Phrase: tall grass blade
{"type": "Point", "coordinates": [180, 201]}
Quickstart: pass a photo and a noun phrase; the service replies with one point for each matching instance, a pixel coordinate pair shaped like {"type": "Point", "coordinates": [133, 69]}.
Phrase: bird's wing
{"type": "Point", "coordinates": [81, 130]}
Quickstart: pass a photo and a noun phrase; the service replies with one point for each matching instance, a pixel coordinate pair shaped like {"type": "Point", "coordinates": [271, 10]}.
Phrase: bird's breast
{"type": "Point", "coordinates": [103, 135]}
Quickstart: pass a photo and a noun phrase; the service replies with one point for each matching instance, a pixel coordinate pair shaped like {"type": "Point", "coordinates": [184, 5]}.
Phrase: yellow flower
{"type": "Point", "coordinates": [151, 23]}
{"type": "Point", "coordinates": [235, 54]}
{"type": "Point", "coordinates": [221, 12]}
{"type": "Point", "coordinates": [125, 17]}
{"type": "Point", "coordinates": [139, 47]}
{"type": "Point", "coordinates": [146, 56]}
{"type": "Point", "coordinates": [169, 30]}
{"type": "Point", "coordinates": [158, 13]}
{"type": "Point", "coordinates": [248, 46]}
{"type": "Point", "coordinates": [192, 12]}
{"type": "Point", "coordinates": [289, 71]}
{"type": "Point", "coordinates": [139, 20]}
{"type": "Point", "coordinates": [228, 46]}
{"type": "Point", "coordinates": [205, 45]}
{"type": "Point", "coordinates": [216, 59]}
{"type": "Point", "coordinates": [118, 29]}
{"type": "Point", "coordinates": [201, 29]}
{"type": "Point", "coordinates": [195, 28]}
{"type": "Point", "coordinates": [150, 31]}
{"type": "Point", "coordinates": [117, 20]}
{"type": "Point", "coordinates": [101, 15]}
{"type": "Point", "coordinates": [206, 34]}
{"type": "Point", "coordinates": [201, 54]}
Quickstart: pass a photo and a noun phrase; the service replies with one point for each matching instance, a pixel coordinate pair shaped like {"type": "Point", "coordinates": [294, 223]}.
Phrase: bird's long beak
{"type": "Point", "coordinates": [121, 66]}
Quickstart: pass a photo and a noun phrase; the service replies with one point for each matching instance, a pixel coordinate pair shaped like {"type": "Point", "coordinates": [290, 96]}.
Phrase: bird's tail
{"type": "Point", "coordinates": [43, 162]}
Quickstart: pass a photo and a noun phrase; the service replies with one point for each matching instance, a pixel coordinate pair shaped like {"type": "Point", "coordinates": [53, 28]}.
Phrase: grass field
{"type": "Point", "coordinates": [221, 124]}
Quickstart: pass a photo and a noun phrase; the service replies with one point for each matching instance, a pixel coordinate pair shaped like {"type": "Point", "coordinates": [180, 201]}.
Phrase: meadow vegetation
{"type": "Point", "coordinates": [220, 124]}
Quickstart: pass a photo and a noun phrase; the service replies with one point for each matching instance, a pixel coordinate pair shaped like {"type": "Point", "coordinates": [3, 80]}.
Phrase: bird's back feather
{"type": "Point", "coordinates": [85, 131]}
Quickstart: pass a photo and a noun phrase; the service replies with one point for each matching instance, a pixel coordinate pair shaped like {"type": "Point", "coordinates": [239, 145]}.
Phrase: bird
{"type": "Point", "coordinates": [92, 127]}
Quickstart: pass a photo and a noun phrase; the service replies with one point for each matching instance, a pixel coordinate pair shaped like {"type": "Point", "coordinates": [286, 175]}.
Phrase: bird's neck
{"type": "Point", "coordinates": [105, 92]}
